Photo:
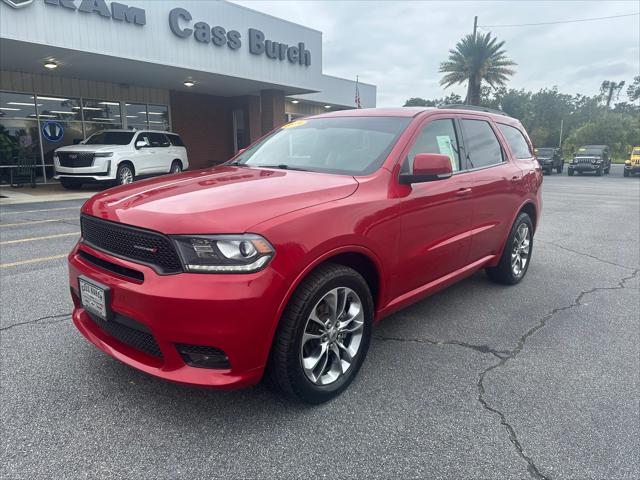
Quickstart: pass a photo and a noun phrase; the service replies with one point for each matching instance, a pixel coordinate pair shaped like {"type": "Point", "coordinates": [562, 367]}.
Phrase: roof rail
{"type": "Point", "coordinates": [461, 106]}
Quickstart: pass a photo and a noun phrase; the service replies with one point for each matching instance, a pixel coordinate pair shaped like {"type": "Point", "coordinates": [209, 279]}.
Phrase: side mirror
{"type": "Point", "coordinates": [428, 167]}
{"type": "Point", "coordinates": [141, 144]}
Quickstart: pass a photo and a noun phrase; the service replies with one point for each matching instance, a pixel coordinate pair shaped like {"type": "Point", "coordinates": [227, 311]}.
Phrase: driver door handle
{"type": "Point", "coordinates": [463, 192]}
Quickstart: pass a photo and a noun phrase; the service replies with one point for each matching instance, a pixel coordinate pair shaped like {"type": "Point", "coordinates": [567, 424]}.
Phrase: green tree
{"type": "Point", "coordinates": [610, 90]}
{"type": "Point", "coordinates": [633, 91]}
{"type": "Point", "coordinates": [474, 60]}
{"type": "Point", "coordinates": [418, 102]}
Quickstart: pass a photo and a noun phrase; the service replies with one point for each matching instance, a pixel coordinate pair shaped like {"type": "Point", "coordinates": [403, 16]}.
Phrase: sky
{"type": "Point", "coordinates": [398, 45]}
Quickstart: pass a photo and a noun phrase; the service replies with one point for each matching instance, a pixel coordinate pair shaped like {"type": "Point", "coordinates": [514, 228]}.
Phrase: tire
{"type": "Point", "coordinates": [176, 167]}
{"type": "Point", "coordinates": [626, 173]}
{"type": "Point", "coordinates": [559, 168]}
{"type": "Point", "coordinates": [570, 172]}
{"type": "Point", "coordinates": [599, 172]}
{"type": "Point", "coordinates": [607, 170]}
{"type": "Point", "coordinates": [506, 273]}
{"type": "Point", "coordinates": [285, 369]}
{"type": "Point", "coordinates": [125, 174]}
{"type": "Point", "coordinates": [69, 184]}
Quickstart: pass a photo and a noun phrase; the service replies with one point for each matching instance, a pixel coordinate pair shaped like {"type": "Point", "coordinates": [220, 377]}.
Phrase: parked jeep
{"type": "Point", "coordinates": [591, 158]}
{"type": "Point", "coordinates": [549, 159]}
{"type": "Point", "coordinates": [632, 166]}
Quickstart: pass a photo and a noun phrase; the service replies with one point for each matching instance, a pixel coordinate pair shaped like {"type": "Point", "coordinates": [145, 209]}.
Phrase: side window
{"type": "Point", "coordinates": [438, 136]}
{"type": "Point", "coordinates": [176, 141]}
{"type": "Point", "coordinates": [517, 143]}
{"type": "Point", "coordinates": [158, 140]}
{"type": "Point", "coordinates": [481, 143]}
{"type": "Point", "coordinates": [144, 137]}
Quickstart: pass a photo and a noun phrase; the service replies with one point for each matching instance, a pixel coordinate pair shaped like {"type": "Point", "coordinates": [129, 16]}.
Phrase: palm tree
{"type": "Point", "coordinates": [477, 58]}
{"type": "Point", "coordinates": [610, 91]}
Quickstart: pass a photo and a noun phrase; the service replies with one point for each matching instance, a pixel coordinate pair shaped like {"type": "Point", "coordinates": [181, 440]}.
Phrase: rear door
{"type": "Point", "coordinates": [161, 160]}
{"type": "Point", "coordinates": [495, 182]}
{"type": "Point", "coordinates": [435, 216]}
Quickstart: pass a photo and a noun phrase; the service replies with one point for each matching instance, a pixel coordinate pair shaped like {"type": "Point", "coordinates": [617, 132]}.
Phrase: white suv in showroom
{"type": "Point", "coordinates": [119, 156]}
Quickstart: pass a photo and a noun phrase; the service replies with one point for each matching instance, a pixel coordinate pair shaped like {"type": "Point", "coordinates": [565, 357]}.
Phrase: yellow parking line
{"type": "Point", "coordinates": [33, 239]}
{"type": "Point", "coordinates": [32, 260]}
{"type": "Point", "coordinates": [34, 222]}
{"type": "Point", "coordinates": [39, 211]}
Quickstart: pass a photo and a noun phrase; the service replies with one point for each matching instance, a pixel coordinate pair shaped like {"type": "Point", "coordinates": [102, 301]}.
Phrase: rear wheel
{"type": "Point", "coordinates": [570, 172]}
{"type": "Point", "coordinates": [516, 257]}
{"type": "Point", "coordinates": [626, 173]}
{"type": "Point", "coordinates": [323, 336]}
{"type": "Point", "coordinates": [70, 184]}
{"type": "Point", "coordinates": [559, 168]}
{"type": "Point", "coordinates": [176, 167]}
{"type": "Point", "coordinates": [125, 174]}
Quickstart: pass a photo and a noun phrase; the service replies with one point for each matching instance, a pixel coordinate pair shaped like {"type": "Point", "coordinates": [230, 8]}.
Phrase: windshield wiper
{"type": "Point", "coordinates": [282, 166]}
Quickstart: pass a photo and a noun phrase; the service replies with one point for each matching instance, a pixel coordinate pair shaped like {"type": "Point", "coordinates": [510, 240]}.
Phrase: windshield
{"type": "Point", "coordinates": [636, 151]}
{"type": "Point", "coordinates": [343, 145]}
{"type": "Point", "coordinates": [544, 151]}
{"type": "Point", "coordinates": [589, 151]}
{"type": "Point", "coordinates": [110, 138]}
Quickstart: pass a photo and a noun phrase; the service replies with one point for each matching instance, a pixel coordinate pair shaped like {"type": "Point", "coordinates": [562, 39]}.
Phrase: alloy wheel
{"type": "Point", "coordinates": [126, 176]}
{"type": "Point", "coordinates": [332, 336]}
{"type": "Point", "coordinates": [520, 250]}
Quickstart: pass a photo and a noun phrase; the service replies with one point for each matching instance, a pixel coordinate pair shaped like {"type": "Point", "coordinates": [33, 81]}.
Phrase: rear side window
{"type": "Point", "coordinates": [517, 143]}
{"type": "Point", "coordinates": [158, 140]}
{"type": "Point", "coordinates": [175, 140]}
{"type": "Point", "coordinates": [481, 143]}
{"type": "Point", "coordinates": [438, 136]}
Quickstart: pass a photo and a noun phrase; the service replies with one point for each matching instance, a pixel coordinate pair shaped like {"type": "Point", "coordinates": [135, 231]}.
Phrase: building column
{"type": "Point", "coordinates": [272, 102]}
{"type": "Point", "coordinates": [253, 117]}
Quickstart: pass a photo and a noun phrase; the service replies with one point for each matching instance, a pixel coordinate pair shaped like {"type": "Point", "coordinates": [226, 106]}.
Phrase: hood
{"type": "Point", "coordinates": [224, 199]}
{"type": "Point", "coordinates": [90, 148]}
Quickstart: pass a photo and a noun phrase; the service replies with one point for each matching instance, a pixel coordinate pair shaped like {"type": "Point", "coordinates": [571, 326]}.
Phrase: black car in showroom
{"type": "Point", "coordinates": [591, 158]}
{"type": "Point", "coordinates": [550, 158]}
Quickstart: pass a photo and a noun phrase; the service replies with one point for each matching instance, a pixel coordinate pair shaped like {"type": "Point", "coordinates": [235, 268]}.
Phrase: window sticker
{"type": "Point", "coordinates": [295, 124]}
{"type": "Point", "coordinates": [446, 148]}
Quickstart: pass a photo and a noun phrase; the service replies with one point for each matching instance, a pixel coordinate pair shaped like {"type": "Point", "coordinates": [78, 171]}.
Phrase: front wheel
{"type": "Point", "coordinates": [570, 172]}
{"type": "Point", "coordinates": [599, 172]}
{"type": "Point", "coordinates": [323, 336]}
{"type": "Point", "coordinates": [626, 173]}
{"type": "Point", "coordinates": [125, 174]}
{"type": "Point", "coordinates": [559, 168]}
{"type": "Point", "coordinates": [516, 256]}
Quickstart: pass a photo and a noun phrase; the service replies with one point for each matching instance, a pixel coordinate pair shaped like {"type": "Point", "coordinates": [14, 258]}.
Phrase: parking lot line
{"type": "Point", "coordinates": [33, 239]}
{"type": "Point", "coordinates": [32, 260]}
{"type": "Point", "coordinates": [34, 222]}
{"type": "Point", "coordinates": [39, 211]}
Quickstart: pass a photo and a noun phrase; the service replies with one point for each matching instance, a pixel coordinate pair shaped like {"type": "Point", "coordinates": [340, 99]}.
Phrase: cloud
{"type": "Point", "coordinates": [399, 45]}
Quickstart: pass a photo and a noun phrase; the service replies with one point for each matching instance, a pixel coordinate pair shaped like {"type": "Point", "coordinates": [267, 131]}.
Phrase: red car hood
{"type": "Point", "coordinates": [224, 199]}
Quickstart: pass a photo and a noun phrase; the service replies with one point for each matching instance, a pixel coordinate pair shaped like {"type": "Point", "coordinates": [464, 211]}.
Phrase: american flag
{"type": "Point", "coordinates": [357, 99]}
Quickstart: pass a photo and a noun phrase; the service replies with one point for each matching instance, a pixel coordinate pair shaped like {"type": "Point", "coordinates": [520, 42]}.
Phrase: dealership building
{"type": "Point", "coordinates": [219, 74]}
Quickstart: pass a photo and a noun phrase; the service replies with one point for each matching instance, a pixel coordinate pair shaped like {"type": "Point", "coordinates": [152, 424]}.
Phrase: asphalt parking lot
{"type": "Point", "coordinates": [540, 380]}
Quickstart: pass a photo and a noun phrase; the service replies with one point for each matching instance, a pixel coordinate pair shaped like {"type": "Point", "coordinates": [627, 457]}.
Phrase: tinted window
{"type": "Point", "coordinates": [158, 140]}
{"type": "Point", "coordinates": [110, 138]}
{"type": "Point", "coordinates": [483, 148]}
{"type": "Point", "coordinates": [343, 145]}
{"type": "Point", "coordinates": [517, 143]}
{"type": "Point", "coordinates": [175, 140]}
{"type": "Point", "coordinates": [439, 136]}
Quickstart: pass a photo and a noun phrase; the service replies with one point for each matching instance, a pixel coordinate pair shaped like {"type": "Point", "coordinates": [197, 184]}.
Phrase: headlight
{"type": "Point", "coordinates": [103, 154]}
{"type": "Point", "coordinates": [224, 253]}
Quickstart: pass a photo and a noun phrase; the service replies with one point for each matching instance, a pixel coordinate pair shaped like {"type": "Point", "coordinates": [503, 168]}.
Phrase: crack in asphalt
{"type": "Point", "coordinates": [506, 355]}
{"type": "Point", "coordinates": [584, 254]}
{"type": "Point", "coordinates": [55, 318]}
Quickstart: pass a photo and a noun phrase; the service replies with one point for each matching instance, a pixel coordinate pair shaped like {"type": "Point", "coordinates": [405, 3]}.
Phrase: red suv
{"type": "Point", "coordinates": [282, 259]}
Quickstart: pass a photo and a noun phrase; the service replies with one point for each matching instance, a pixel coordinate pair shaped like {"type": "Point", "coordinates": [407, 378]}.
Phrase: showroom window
{"type": "Point", "coordinates": [32, 126]}
{"type": "Point", "coordinates": [19, 138]}
{"type": "Point", "coordinates": [60, 125]}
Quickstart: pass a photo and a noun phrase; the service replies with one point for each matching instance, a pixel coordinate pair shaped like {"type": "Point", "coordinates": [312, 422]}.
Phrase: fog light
{"type": "Point", "coordinates": [201, 356]}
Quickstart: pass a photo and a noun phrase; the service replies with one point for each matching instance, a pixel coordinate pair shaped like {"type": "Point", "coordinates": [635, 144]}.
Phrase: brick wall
{"type": "Point", "coordinates": [205, 124]}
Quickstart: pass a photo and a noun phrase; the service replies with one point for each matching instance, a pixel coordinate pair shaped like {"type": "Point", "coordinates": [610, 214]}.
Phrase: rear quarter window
{"type": "Point", "coordinates": [175, 140]}
{"type": "Point", "coordinates": [516, 141]}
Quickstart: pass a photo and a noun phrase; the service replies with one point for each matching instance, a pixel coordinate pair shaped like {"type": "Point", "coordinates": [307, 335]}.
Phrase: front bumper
{"type": "Point", "coordinates": [585, 167]}
{"type": "Point", "coordinates": [635, 169]}
{"type": "Point", "coordinates": [234, 313]}
{"type": "Point", "coordinates": [100, 170]}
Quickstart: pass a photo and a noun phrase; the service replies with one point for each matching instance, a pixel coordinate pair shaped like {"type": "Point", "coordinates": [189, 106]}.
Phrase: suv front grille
{"type": "Point", "coordinates": [131, 243]}
{"type": "Point", "coordinates": [585, 161]}
{"type": "Point", "coordinates": [75, 159]}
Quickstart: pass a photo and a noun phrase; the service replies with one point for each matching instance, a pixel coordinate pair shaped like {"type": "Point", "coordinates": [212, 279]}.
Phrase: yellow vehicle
{"type": "Point", "coordinates": [632, 166]}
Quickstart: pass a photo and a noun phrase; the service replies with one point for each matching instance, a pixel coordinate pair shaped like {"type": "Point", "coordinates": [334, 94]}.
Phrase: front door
{"type": "Point", "coordinates": [435, 216]}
